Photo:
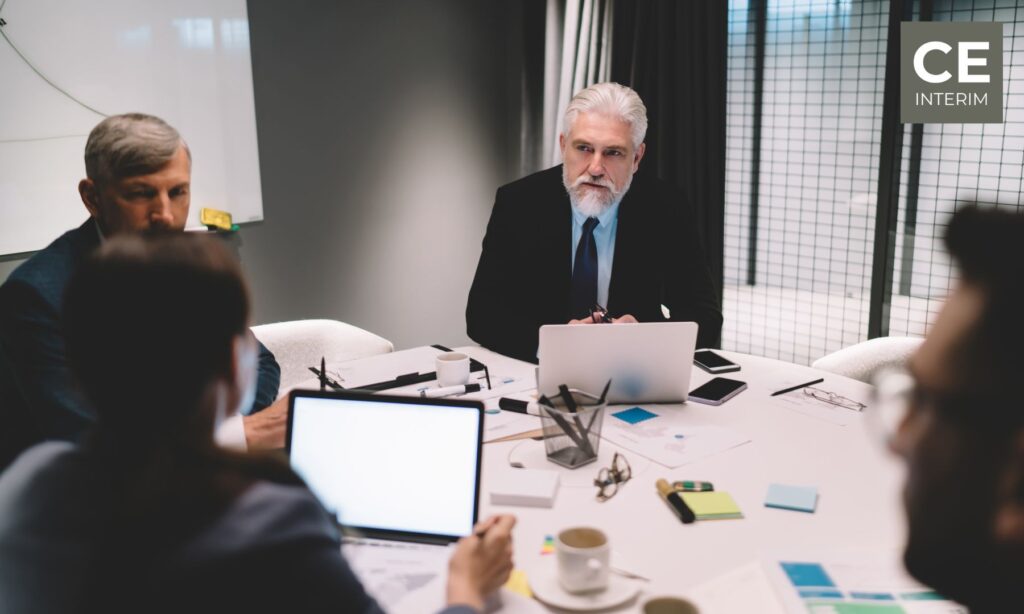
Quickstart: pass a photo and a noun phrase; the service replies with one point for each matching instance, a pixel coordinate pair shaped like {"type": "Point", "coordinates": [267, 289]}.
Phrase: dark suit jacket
{"type": "Point", "coordinates": [273, 549]}
{"type": "Point", "coordinates": [525, 269]}
{"type": "Point", "coordinates": [30, 333]}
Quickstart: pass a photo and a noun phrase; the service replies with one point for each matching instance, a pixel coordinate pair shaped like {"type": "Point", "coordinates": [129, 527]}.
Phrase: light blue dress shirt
{"type": "Point", "coordinates": [604, 240]}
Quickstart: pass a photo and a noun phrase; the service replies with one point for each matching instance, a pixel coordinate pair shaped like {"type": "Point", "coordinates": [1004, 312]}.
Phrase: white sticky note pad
{"type": "Point", "coordinates": [797, 498]}
{"type": "Point", "coordinates": [525, 487]}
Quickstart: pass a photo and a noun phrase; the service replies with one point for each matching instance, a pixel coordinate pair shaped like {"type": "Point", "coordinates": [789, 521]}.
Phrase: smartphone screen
{"type": "Point", "coordinates": [718, 389]}
{"type": "Point", "coordinates": [711, 360]}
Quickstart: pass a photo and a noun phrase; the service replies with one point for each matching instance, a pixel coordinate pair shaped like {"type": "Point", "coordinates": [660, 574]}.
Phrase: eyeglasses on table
{"type": "Point", "coordinates": [609, 479]}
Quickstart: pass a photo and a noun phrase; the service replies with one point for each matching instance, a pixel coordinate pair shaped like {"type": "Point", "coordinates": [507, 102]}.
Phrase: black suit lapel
{"type": "Point", "coordinates": [560, 243]}
{"type": "Point", "coordinates": [553, 249]}
{"type": "Point", "coordinates": [628, 235]}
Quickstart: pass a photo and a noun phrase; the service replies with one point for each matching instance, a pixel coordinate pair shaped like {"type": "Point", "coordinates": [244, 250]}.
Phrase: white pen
{"type": "Point", "coordinates": [433, 393]}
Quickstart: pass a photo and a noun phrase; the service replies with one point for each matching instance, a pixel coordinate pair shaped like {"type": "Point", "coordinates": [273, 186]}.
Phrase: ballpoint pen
{"type": "Point", "coordinates": [324, 378]}
{"type": "Point", "coordinates": [599, 314]}
{"type": "Point", "coordinates": [797, 387]}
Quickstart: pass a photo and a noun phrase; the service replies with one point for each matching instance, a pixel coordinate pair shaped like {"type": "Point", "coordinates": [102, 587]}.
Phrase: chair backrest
{"type": "Point", "coordinates": [862, 360]}
{"type": "Point", "coordinates": [299, 344]}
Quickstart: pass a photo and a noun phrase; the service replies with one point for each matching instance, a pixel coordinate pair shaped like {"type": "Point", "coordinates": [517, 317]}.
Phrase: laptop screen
{"type": "Point", "coordinates": [400, 467]}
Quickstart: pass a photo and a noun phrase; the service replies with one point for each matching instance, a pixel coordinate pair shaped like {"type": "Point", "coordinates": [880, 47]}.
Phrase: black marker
{"type": "Point", "coordinates": [675, 501]}
{"type": "Point", "coordinates": [520, 407]}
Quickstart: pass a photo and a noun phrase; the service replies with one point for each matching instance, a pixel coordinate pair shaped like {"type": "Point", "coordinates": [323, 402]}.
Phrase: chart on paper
{"type": "Point", "coordinates": [853, 585]}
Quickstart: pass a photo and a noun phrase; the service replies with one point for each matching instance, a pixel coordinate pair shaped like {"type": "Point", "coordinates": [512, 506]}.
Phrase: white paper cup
{"type": "Point", "coordinates": [452, 369]}
{"type": "Point", "coordinates": [583, 554]}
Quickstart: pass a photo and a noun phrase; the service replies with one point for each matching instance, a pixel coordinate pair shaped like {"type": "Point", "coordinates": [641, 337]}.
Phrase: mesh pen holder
{"type": "Point", "coordinates": [571, 439]}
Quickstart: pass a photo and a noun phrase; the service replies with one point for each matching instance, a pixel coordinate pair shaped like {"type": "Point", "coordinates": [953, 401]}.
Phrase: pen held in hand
{"type": "Point", "coordinates": [798, 387]}
{"type": "Point", "coordinates": [482, 529]}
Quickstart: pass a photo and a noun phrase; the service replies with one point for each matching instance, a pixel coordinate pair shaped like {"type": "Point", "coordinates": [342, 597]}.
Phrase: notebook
{"type": "Point", "coordinates": [390, 467]}
{"type": "Point", "coordinates": [715, 505]}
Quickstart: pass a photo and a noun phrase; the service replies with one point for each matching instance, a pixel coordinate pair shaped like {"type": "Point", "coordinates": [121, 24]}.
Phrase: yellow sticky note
{"type": "Point", "coordinates": [715, 505]}
{"type": "Point", "coordinates": [215, 218]}
{"type": "Point", "coordinates": [517, 583]}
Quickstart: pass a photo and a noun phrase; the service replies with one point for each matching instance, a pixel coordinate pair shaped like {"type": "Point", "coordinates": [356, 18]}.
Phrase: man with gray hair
{"type": "Point", "coordinates": [582, 235]}
{"type": "Point", "coordinates": [138, 174]}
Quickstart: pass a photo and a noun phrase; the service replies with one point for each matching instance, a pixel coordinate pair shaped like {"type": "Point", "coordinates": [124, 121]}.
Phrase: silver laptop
{"type": "Point", "coordinates": [390, 467]}
{"type": "Point", "coordinates": [647, 362]}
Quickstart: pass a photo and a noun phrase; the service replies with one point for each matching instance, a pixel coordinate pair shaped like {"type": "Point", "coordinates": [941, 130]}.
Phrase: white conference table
{"type": "Point", "coordinates": [858, 482]}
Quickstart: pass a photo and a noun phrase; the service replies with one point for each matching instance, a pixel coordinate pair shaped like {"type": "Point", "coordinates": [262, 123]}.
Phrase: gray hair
{"type": "Point", "coordinates": [611, 99]}
{"type": "Point", "coordinates": [129, 145]}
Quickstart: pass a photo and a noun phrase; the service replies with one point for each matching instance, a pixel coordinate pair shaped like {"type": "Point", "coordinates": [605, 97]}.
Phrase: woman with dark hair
{"type": "Point", "coordinates": [148, 513]}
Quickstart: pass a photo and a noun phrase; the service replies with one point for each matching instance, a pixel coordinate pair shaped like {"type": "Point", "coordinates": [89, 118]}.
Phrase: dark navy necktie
{"type": "Point", "coordinates": [583, 294]}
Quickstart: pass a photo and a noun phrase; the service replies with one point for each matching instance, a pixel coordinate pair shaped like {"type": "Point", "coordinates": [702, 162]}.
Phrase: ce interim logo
{"type": "Point", "coordinates": [951, 73]}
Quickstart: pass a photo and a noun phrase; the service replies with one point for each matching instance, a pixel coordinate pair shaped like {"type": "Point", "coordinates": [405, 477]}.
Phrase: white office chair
{"type": "Point", "coordinates": [300, 344]}
{"type": "Point", "coordinates": [862, 360]}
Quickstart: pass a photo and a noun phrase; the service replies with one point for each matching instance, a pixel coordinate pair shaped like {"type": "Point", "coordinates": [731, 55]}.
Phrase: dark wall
{"type": "Point", "coordinates": [383, 133]}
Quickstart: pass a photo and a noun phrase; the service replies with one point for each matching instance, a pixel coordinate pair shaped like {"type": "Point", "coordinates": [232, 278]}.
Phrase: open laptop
{"type": "Point", "coordinates": [396, 468]}
{"type": "Point", "coordinates": [647, 362]}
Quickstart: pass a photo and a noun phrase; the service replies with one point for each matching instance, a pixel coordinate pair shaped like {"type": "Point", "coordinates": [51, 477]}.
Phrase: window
{"type": "Point", "coordinates": [806, 83]}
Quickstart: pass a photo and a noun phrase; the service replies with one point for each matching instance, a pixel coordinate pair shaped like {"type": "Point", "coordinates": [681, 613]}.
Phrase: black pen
{"type": "Point", "coordinates": [599, 314]}
{"type": "Point", "coordinates": [323, 373]}
{"type": "Point", "coordinates": [480, 531]}
{"type": "Point", "coordinates": [798, 387]}
{"type": "Point", "coordinates": [325, 379]}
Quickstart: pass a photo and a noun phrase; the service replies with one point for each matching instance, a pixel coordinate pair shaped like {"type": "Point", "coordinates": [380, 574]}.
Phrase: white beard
{"type": "Point", "coordinates": [591, 202]}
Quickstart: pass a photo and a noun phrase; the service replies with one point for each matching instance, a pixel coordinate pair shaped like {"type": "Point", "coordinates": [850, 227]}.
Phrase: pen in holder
{"type": "Point", "coordinates": [572, 426]}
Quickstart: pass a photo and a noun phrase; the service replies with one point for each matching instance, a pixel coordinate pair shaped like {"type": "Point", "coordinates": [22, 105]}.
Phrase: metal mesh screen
{"type": "Point", "coordinates": [951, 165]}
{"type": "Point", "coordinates": [801, 289]}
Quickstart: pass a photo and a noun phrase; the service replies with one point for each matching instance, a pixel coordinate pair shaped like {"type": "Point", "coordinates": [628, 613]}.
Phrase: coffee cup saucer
{"type": "Point", "coordinates": [546, 588]}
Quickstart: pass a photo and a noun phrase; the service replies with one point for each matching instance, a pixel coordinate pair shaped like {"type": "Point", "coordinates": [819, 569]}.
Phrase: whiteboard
{"type": "Point", "coordinates": [64, 64]}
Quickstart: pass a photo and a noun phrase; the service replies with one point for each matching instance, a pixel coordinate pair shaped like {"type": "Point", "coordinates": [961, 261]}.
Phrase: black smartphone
{"type": "Point", "coordinates": [717, 391]}
{"type": "Point", "coordinates": [713, 363]}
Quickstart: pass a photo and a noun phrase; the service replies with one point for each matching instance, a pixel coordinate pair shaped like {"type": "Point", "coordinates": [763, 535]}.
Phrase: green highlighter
{"type": "Point", "coordinates": [688, 486]}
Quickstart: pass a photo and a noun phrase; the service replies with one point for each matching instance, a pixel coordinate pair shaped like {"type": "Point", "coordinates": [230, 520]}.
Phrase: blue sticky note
{"type": "Point", "coordinates": [796, 498]}
{"type": "Point", "coordinates": [807, 574]}
{"type": "Point", "coordinates": [634, 415]}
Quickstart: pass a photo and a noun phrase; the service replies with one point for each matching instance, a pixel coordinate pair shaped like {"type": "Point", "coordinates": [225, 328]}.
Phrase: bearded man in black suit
{"type": "Point", "coordinates": [591, 232]}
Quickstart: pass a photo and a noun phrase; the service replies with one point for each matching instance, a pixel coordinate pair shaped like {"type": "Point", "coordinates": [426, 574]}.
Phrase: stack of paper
{"type": "Point", "coordinates": [715, 505]}
{"type": "Point", "coordinates": [528, 487]}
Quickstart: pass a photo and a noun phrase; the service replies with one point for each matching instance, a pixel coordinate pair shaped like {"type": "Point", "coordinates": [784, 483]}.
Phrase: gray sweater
{"type": "Point", "coordinates": [274, 549]}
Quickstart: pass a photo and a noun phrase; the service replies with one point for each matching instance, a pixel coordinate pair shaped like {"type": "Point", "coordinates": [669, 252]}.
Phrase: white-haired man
{"type": "Point", "coordinates": [583, 234]}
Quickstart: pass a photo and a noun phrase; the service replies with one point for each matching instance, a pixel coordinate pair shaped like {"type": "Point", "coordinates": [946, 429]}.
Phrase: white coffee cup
{"type": "Point", "coordinates": [669, 605]}
{"type": "Point", "coordinates": [583, 554]}
{"type": "Point", "coordinates": [452, 369]}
